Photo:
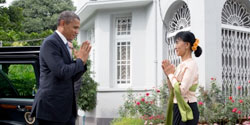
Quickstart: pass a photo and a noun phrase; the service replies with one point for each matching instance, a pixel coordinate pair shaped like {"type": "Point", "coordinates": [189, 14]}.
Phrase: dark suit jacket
{"type": "Point", "coordinates": [55, 98]}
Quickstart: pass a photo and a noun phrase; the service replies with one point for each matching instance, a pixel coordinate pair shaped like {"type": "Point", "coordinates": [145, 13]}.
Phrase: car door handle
{"type": "Point", "coordinates": [20, 108]}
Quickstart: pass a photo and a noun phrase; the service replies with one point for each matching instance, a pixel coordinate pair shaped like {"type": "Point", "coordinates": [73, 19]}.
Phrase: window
{"type": "Point", "coordinates": [235, 35]}
{"type": "Point", "coordinates": [123, 50]}
{"type": "Point", "coordinates": [17, 80]}
{"type": "Point", "coordinates": [180, 21]}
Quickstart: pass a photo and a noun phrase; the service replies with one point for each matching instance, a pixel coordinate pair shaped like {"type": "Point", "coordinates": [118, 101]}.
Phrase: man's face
{"type": "Point", "coordinates": [71, 30]}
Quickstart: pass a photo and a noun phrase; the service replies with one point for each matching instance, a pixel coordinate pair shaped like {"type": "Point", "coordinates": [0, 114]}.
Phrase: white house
{"type": "Point", "coordinates": [130, 40]}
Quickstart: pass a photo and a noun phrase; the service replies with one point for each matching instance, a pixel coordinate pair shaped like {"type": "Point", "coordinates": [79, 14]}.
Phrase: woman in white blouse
{"type": "Point", "coordinates": [183, 81]}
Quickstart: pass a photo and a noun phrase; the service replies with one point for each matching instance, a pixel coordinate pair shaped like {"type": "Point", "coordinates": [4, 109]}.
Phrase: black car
{"type": "Point", "coordinates": [19, 80]}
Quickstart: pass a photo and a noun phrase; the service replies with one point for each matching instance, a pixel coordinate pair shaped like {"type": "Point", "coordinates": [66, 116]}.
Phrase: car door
{"type": "Point", "coordinates": [18, 85]}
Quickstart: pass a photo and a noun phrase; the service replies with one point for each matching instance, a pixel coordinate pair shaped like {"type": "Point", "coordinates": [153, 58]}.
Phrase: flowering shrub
{"type": "Point", "coordinates": [149, 106]}
{"type": "Point", "coordinates": [214, 107]}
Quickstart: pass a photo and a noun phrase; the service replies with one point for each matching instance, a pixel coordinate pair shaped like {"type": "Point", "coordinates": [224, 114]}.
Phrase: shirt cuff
{"type": "Point", "coordinates": [172, 79]}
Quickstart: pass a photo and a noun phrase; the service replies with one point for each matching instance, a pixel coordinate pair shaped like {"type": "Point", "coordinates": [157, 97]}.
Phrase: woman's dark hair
{"type": "Point", "coordinates": [187, 36]}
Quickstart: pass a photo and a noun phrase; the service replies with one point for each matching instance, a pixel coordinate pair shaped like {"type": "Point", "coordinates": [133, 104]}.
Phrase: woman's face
{"type": "Point", "coordinates": [181, 47]}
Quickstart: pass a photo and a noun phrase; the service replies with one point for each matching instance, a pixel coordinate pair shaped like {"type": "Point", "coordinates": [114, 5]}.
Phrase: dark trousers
{"type": "Point", "coordinates": [71, 121]}
{"type": "Point", "coordinates": [177, 115]}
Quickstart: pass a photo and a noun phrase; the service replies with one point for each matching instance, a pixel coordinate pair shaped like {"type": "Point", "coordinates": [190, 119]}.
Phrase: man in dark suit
{"type": "Point", "coordinates": [55, 99]}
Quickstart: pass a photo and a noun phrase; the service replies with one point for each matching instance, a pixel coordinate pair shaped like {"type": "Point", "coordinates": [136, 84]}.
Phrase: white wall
{"type": "Point", "coordinates": [110, 97]}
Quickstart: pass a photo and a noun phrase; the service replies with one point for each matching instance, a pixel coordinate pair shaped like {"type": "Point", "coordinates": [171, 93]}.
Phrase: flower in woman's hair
{"type": "Point", "coordinates": [147, 94]}
{"type": "Point", "coordinates": [239, 87]}
{"type": "Point", "coordinates": [230, 97]}
{"type": "Point", "coordinates": [195, 45]}
{"type": "Point", "coordinates": [200, 103]}
{"type": "Point", "coordinates": [234, 109]}
{"type": "Point", "coordinates": [240, 101]}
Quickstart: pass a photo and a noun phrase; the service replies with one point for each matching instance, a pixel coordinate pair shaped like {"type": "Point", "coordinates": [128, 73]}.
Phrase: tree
{"type": "Point", "coordinates": [2, 1]}
{"type": "Point", "coordinates": [40, 15]}
{"type": "Point", "coordinates": [11, 18]}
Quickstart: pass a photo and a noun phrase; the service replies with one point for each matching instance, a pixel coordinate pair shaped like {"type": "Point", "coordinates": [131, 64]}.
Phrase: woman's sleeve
{"type": "Point", "coordinates": [187, 80]}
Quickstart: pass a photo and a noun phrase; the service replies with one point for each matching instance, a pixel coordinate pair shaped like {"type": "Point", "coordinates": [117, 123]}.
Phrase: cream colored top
{"type": "Point", "coordinates": [187, 74]}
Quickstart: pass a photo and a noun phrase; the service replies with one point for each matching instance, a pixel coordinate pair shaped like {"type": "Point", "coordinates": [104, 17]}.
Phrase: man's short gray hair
{"type": "Point", "coordinates": [67, 16]}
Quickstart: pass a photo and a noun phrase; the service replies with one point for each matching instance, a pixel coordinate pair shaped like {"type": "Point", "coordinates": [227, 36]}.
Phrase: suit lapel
{"type": "Point", "coordinates": [63, 45]}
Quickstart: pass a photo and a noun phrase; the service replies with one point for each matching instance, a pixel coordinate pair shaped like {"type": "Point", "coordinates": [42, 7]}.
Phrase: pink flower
{"type": "Point", "coordinates": [248, 117]}
{"type": "Point", "coordinates": [151, 117]}
{"type": "Point", "coordinates": [146, 102]}
{"type": "Point", "coordinates": [158, 116]}
{"type": "Point", "coordinates": [213, 79]}
{"type": "Point", "coordinates": [147, 94]}
{"type": "Point", "coordinates": [142, 99]}
{"type": "Point", "coordinates": [232, 101]}
{"type": "Point", "coordinates": [240, 101]}
{"type": "Point", "coordinates": [138, 103]}
{"type": "Point", "coordinates": [230, 97]}
{"type": "Point", "coordinates": [239, 112]}
{"type": "Point", "coordinates": [249, 81]}
{"type": "Point", "coordinates": [158, 90]}
{"type": "Point", "coordinates": [234, 110]}
{"type": "Point", "coordinates": [200, 103]}
{"type": "Point", "coordinates": [239, 87]}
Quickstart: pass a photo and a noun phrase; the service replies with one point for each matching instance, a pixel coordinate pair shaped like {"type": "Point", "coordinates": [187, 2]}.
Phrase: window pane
{"type": "Point", "coordinates": [6, 90]}
{"type": "Point", "coordinates": [123, 52]}
{"type": "Point", "coordinates": [123, 25]}
{"type": "Point", "coordinates": [22, 76]}
{"type": "Point", "coordinates": [118, 72]}
{"type": "Point", "coordinates": [118, 53]}
{"type": "Point", "coordinates": [128, 72]}
{"type": "Point", "coordinates": [123, 72]}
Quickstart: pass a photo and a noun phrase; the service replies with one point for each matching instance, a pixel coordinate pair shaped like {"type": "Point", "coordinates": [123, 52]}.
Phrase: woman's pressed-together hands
{"type": "Point", "coordinates": [167, 67]}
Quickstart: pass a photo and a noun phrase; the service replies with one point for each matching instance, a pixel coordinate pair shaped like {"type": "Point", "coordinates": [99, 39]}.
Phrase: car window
{"type": "Point", "coordinates": [6, 90]}
{"type": "Point", "coordinates": [21, 77]}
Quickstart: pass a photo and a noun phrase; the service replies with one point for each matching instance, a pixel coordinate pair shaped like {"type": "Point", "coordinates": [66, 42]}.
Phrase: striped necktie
{"type": "Point", "coordinates": [69, 49]}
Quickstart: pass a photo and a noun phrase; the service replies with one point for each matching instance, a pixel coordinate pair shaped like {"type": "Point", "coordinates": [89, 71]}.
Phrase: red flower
{"type": "Point", "coordinates": [151, 102]}
{"type": "Point", "coordinates": [147, 94]}
{"type": "Point", "coordinates": [239, 112]}
{"type": "Point", "coordinates": [142, 99]}
{"type": "Point", "coordinates": [241, 101]}
{"type": "Point", "coordinates": [200, 103]}
{"type": "Point", "coordinates": [248, 117]}
{"type": "Point", "coordinates": [239, 87]}
{"type": "Point", "coordinates": [138, 103]}
{"type": "Point", "coordinates": [232, 101]}
{"type": "Point", "coordinates": [212, 78]}
{"type": "Point", "coordinates": [146, 102]}
{"type": "Point", "coordinates": [150, 117]}
{"type": "Point", "coordinates": [234, 110]}
{"type": "Point", "coordinates": [158, 90]}
{"type": "Point", "coordinates": [230, 97]}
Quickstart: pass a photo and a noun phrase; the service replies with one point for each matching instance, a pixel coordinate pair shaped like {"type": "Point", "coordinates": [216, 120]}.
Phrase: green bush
{"type": "Point", "coordinates": [127, 121]}
{"type": "Point", "coordinates": [215, 107]}
{"type": "Point", "coordinates": [149, 106]}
